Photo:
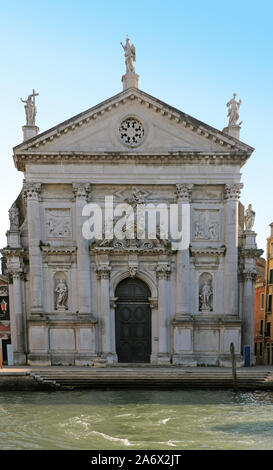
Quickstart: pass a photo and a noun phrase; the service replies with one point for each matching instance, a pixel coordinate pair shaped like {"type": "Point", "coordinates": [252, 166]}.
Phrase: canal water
{"type": "Point", "coordinates": [198, 419]}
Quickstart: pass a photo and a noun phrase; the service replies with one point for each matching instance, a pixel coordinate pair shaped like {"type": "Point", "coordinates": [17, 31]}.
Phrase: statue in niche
{"type": "Point", "coordinates": [205, 297]}
{"type": "Point", "coordinates": [249, 217]}
{"type": "Point", "coordinates": [233, 112]}
{"type": "Point", "coordinates": [130, 55]}
{"type": "Point", "coordinates": [30, 109]}
{"type": "Point", "coordinates": [61, 291]}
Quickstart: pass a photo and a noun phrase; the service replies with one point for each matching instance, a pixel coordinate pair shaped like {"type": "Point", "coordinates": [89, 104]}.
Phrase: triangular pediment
{"type": "Point", "coordinates": [164, 129]}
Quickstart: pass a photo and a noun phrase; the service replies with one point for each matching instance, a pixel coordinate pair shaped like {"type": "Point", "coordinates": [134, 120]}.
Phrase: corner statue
{"type": "Point", "coordinates": [233, 112]}
{"type": "Point", "coordinates": [130, 55]}
{"type": "Point", "coordinates": [30, 109]}
{"type": "Point", "coordinates": [249, 217]}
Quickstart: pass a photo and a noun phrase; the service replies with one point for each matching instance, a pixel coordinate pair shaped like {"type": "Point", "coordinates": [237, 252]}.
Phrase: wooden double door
{"type": "Point", "coordinates": [133, 322]}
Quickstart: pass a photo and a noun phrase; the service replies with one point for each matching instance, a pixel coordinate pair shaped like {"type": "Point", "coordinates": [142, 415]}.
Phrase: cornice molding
{"type": "Point", "coordinates": [237, 157]}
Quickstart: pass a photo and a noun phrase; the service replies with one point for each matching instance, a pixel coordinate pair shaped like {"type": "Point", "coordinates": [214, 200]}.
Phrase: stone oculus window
{"type": "Point", "coordinates": [131, 132]}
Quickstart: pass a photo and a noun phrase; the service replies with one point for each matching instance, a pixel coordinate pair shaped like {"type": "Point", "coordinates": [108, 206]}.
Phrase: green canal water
{"type": "Point", "coordinates": [199, 419]}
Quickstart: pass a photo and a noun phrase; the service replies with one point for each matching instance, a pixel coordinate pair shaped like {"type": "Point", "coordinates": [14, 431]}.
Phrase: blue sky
{"type": "Point", "coordinates": [192, 55]}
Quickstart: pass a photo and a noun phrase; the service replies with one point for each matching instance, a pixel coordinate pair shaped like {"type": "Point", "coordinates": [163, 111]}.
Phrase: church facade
{"type": "Point", "coordinates": [80, 300]}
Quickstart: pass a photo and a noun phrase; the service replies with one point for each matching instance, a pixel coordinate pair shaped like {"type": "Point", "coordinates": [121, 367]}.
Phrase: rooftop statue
{"type": "Point", "coordinates": [30, 109]}
{"type": "Point", "coordinates": [233, 112]}
{"type": "Point", "coordinates": [130, 55]}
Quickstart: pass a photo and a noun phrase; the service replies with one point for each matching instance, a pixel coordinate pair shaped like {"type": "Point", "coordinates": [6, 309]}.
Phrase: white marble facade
{"type": "Point", "coordinates": [63, 287]}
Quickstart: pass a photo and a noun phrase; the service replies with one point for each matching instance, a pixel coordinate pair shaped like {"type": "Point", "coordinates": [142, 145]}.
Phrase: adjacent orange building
{"type": "Point", "coordinates": [268, 334]}
{"type": "Point", "coordinates": [259, 312]}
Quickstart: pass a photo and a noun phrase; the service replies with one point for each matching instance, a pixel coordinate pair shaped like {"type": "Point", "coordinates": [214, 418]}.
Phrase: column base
{"type": "Point", "coordinates": [19, 359]}
{"type": "Point", "coordinates": [161, 359]}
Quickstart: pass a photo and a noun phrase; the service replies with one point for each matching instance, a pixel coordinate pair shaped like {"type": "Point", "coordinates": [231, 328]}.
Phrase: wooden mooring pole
{"type": "Point", "coordinates": [233, 362]}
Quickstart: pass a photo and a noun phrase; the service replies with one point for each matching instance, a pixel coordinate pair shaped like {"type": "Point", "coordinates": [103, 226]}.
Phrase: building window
{"type": "Point", "coordinates": [262, 300]}
{"type": "Point", "coordinates": [268, 329]}
{"type": "Point", "coordinates": [271, 276]}
{"type": "Point", "coordinates": [270, 303]}
{"type": "Point", "coordinates": [255, 349]}
{"type": "Point", "coordinates": [261, 327]}
{"type": "Point", "coordinates": [261, 349]}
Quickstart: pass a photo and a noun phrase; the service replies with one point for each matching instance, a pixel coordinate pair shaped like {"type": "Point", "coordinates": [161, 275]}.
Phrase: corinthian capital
{"type": "Point", "coordinates": [183, 192]}
{"type": "Point", "coordinates": [31, 191]}
{"type": "Point", "coordinates": [233, 191]}
{"type": "Point", "coordinates": [103, 271]}
{"type": "Point", "coordinates": [163, 271]}
{"type": "Point", "coordinates": [81, 190]}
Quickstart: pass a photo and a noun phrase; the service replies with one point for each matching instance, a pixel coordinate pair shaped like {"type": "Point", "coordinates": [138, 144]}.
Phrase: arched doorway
{"type": "Point", "coordinates": [133, 321]}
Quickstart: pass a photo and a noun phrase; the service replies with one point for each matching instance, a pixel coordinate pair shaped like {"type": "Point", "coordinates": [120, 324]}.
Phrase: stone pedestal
{"type": "Point", "coordinates": [130, 80]}
{"type": "Point", "coordinates": [30, 131]}
{"type": "Point", "coordinates": [233, 131]}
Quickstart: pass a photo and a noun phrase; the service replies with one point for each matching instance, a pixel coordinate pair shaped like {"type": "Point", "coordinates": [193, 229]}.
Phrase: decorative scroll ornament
{"type": "Point", "coordinates": [132, 271]}
{"type": "Point", "coordinates": [131, 132]}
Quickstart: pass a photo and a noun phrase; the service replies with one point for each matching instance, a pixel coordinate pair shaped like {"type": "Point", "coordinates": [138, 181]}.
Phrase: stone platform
{"type": "Point", "coordinates": [133, 377]}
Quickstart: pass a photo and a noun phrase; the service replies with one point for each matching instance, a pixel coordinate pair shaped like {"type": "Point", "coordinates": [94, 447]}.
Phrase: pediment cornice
{"type": "Point", "coordinates": [231, 157]}
{"type": "Point", "coordinates": [229, 144]}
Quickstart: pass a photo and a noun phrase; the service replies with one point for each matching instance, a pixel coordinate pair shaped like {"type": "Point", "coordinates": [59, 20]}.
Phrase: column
{"type": "Point", "coordinates": [163, 271]}
{"type": "Point", "coordinates": [81, 192]}
{"type": "Point", "coordinates": [232, 194]}
{"type": "Point", "coordinates": [183, 256]}
{"type": "Point", "coordinates": [32, 192]}
{"type": "Point", "coordinates": [103, 275]}
{"type": "Point", "coordinates": [17, 324]}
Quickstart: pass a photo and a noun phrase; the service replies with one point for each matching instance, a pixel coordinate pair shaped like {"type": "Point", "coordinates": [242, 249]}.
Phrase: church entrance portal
{"type": "Point", "coordinates": [133, 321]}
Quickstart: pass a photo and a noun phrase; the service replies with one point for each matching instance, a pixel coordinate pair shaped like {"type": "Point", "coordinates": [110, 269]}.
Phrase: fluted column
{"type": "Point", "coordinates": [81, 192]}
{"type": "Point", "coordinates": [232, 194]}
{"type": "Point", "coordinates": [183, 256]}
{"type": "Point", "coordinates": [32, 195]}
{"type": "Point", "coordinates": [163, 273]}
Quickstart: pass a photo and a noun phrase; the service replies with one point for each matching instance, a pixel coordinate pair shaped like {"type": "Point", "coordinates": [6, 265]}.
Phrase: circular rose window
{"type": "Point", "coordinates": [131, 132]}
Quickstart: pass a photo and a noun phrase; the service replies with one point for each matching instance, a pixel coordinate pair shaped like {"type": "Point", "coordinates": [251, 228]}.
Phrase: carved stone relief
{"type": "Point", "coordinates": [206, 225]}
{"type": "Point", "coordinates": [58, 223]}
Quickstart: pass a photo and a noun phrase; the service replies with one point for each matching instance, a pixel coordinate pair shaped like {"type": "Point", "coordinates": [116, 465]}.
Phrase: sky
{"type": "Point", "coordinates": [192, 55]}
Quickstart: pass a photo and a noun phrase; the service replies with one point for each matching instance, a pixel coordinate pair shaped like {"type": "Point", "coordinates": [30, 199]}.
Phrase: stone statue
{"type": "Point", "coordinates": [30, 109]}
{"type": "Point", "coordinates": [249, 218]}
{"type": "Point", "coordinates": [61, 290]}
{"type": "Point", "coordinates": [233, 112]}
{"type": "Point", "coordinates": [14, 217]}
{"type": "Point", "coordinates": [205, 296]}
{"type": "Point", "coordinates": [130, 56]}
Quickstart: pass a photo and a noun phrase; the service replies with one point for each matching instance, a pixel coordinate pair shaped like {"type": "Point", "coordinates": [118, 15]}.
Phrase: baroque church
{"type": "Point", "coordinates": [76, 300]}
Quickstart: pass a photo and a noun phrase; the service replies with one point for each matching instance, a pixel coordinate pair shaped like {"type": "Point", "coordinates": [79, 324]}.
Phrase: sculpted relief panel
{"type": "Point", "coordinates": [206, 224]}
{"type": "Point", "coordinates": [58, 223]}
